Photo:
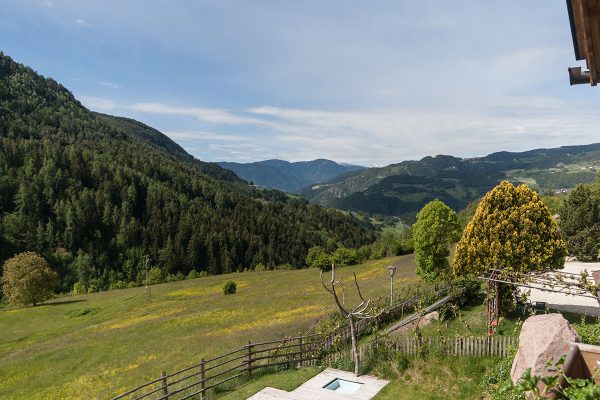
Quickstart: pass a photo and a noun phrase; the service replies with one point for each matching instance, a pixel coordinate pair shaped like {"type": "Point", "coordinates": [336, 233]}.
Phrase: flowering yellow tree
{"type": "Point", "coordinates": [511, 230]}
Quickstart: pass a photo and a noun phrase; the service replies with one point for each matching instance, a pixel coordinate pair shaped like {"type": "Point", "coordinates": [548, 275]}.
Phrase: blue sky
{"type": "Point", "coordinates": [368, 82]}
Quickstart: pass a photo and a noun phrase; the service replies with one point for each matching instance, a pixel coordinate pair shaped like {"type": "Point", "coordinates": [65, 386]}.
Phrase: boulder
{"type": "Point", "coordinates": [543, 337]}
{"type": "Point", "coordinates": [429, 318]}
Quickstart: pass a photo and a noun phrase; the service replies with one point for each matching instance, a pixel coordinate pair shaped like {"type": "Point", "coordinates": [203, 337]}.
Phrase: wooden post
{"type": "Point", "coordinates": [249, 358]}
{"type": "Point", "coordinates": [202, 380]}
{"type": "Point", "coordinates": [596, 276]}
{"type": "Point", "coordinates": [300, 353]}
{"type": "Point", "coordinates": [163, 384]}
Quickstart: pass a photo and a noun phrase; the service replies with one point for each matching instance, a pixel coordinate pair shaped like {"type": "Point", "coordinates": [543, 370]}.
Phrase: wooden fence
{"type": "Point", "coordinates": [197, 380]}
{"type": "Point", "coordinates": [495, 346]}
{"type": "Point", "coordinates": [200, 379]}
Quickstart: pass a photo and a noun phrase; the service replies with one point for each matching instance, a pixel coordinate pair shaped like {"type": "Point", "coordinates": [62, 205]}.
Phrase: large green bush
{"type": "Point", "coordinates": [318, 257]}
{"type": "Point", "coordinates": [344, 256]}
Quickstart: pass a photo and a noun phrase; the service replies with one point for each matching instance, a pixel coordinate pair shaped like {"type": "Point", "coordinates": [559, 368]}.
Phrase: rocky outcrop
{"type": "Point", "coordinates": [543, 338]}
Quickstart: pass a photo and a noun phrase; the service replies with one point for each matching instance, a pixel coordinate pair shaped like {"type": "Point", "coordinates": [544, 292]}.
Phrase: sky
{"type": "Point", "coordinates": [362, 82]}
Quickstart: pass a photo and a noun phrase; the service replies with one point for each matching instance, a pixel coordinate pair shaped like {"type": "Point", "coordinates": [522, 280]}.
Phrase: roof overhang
{"type": "Point", "coordinates": [584, 17]}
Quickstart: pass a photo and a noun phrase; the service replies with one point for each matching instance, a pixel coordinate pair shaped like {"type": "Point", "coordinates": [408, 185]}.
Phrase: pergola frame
{"type": "Point", "coordinates": [568, 283]}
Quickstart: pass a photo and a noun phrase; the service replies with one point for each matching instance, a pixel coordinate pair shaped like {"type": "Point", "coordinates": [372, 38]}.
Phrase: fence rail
{"type": "Point", "coordinates": [197, 380]}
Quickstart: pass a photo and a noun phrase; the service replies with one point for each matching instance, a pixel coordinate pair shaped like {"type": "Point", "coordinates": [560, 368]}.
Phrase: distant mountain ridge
{"type": "Point", "coordinates": [402, 189]}
{"type": "Point", "coordinates": [289, 176]}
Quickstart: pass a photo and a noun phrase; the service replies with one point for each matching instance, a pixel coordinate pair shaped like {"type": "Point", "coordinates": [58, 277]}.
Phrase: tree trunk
{"type": "Point", "coordinates": [355, 353]}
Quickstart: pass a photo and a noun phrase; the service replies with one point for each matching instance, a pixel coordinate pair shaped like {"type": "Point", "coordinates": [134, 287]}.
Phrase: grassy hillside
{"type": "Point", "coordinates": [95, 194]}
{"type": "Point", "coordinates": [402, 189]}
{"type": "Point", "coordinates": [92, 346]}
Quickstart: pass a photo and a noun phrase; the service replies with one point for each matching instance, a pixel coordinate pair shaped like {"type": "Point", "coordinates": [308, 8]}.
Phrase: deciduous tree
{"type": "Point", "coordinates": [436, 228]}
{"type": "Point", "coordinates": [28, 279]}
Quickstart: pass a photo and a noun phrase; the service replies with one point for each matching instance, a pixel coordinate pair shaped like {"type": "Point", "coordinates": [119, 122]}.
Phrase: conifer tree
{"type": "Point", "coordinates": [511, 230]}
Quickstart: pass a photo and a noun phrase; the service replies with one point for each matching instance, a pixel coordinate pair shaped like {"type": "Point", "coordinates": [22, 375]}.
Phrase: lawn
{"type": "Point", "coordinates": [471, 321]}
{"type": "Point", "coordinates": [94, 346]}
{"type": "Point", "coordinates": [285, 380]}
{"type": "Point", "coordinates": [423, 379]}
{"type": "Point", "coordinates": [439, 379]}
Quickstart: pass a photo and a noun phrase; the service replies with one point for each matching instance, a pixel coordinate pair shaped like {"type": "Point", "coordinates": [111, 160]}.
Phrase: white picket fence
{"type": "Point", "coordinates": [495, 346]}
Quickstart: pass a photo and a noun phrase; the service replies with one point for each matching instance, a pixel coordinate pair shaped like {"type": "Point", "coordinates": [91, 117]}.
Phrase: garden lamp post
{"type": "Point", "coordinates": [392, 270]}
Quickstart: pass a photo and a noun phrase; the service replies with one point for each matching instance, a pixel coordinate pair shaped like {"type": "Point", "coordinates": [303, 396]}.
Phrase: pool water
{"type": "Point", "coordinates": [343, 386]}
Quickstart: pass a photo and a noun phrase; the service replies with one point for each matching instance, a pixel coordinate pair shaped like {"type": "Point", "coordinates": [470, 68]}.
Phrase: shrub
{"type": "Point", "coordinates": [118, 285]}
{"type": "Point", "coordinates": [155, 275]}
{"type": "Point", "coordinates": [317, 257]}
{"type": "Point", "coordinates": [79, 288]}
{"type": "Point", "coordinates": [203, 274]}
{"type": "Point", "coordinates": [466, 291]}
{"type": "Point", "coordinates": [285, 267]}
{"type": "Point", "coordinates": [590, 333]}
{"type": "Point", "coordinates": [229, 288]}
{"type": "Point", "coordinates": [193, 274]}
{"type": "Point", "coordinates": [260, 267]}
{"type": "Point", "coordinates": [344, 256]}
{"type": "Point", "coordinates": [174, 277]}
{"type": "Point", "coordinates": [92, 288]}
{"type": "Point", "coordinates": [402, 363]}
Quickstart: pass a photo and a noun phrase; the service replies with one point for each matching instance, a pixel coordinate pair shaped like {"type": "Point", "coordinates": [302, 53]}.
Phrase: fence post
{"type": "Point", "coordinates": [300, 355]}
{"type": "Point", "coordinates": [249, 358]}
{"type": "Point", "coordinates": [202, 380]}
{"type": "Point", "coordinates": [163, 384]}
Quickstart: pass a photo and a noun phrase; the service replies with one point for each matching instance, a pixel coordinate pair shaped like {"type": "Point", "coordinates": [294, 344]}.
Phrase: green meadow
{"type": "Point", "coordinates": [97, 345]}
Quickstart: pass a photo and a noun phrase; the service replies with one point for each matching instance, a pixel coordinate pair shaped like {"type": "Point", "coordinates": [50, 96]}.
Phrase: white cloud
{"type": "Point", "coordinates": [97, 103]}
{"type": "Point", "coordinates": [210, 115]}
{"type": "Point", "coordinates": [468, 128]}
{"type": "Point", "coordinates": [83, 23]}
{"type": "Point", "coordinates": [111, 85]}
{"type": "Point", "coordinates": [204, 136]}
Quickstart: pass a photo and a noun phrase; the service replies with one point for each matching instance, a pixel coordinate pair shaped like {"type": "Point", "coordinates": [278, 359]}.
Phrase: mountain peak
{"type": "Point", "coordinates": [289, 176]}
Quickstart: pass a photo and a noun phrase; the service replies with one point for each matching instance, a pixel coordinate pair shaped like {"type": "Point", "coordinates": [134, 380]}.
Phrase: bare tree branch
{"type": "Point", "coordinates": [358, 287]}
{"type": "Point", "coordinates": [363, 311]}
{"type": "Point", "coordinates": [332, 291]}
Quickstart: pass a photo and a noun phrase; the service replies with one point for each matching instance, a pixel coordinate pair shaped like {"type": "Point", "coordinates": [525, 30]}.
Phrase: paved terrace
{"type": "Point", "coordinates": [313, 389]}
{"type": "Point", "coordinates": [564, 302]}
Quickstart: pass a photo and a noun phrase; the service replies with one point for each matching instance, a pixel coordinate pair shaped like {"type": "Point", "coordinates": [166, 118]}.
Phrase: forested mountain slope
{"type": "Point", "coordinates": [402, 189]}
{"type": "Point", "coordinates": [95, 194]}
{"type": "Point", "coordinates": [289, 176]}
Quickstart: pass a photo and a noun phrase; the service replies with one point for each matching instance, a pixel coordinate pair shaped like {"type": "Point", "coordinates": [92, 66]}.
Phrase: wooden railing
{"type": "Point", "coordinates": [197, 380]}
